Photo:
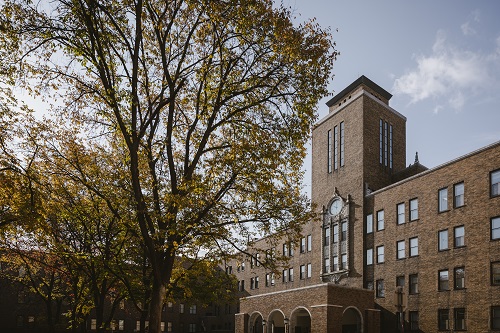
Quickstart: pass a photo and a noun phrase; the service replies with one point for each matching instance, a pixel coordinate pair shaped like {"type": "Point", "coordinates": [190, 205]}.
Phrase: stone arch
{"type": "Point", "coordinates": [300, 320]}
{"type": "Point", "coordinates": [255, 323]}
{"type": "Point", "coordinates": [275, 322]}
{"type": "Point", "coordinates": [352, 320]}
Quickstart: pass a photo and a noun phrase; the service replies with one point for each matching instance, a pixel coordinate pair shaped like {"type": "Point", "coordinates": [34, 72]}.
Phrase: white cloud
{"type": "Point", "coordinates": [449, 73]}
{"type": "Point", "coordinates": [467, 27]}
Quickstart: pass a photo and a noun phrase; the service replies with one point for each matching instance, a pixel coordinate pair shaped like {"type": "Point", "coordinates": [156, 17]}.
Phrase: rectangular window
{"type": "Point", "coordinates": [344, 230]}
{"type": "Point", "coordinates": [380, 288]}
{"type": "Point", "coordinates": [413, 209]}
{"type": "Point", "coordinates": [495, 183]}
{"type": "Point", "coordinates": [443, 240]}
{"type": "Point", "coordinates": [93, 324]}
{"type": "Point", "coordinates": [495, 273]}
{"type": "Point", "coordinates": [401, 213]}
{"type": "Point", "coordinates": [381, 140]}
{"type": "Point", "coordinates": [162, 326]}
{"type": "Point", "coordinates": [290, 274]}
{"type": "Point", "coordinates": [302, 245]}
{"type": "Point", "coordinates": [309, 270]}
{"type": "Point", "coordinates": [458, 195]}
{"type": "Point", "coordinates": [414, 320]}
{"type": "Point", "coordinates": [169, 326]}
{"type": "Point", "coordinates": [459, 236]}
{"type": "Point", "coordinates": [302, 272]}
{"type": "Point", "coordinates": [443, 319]}
{"type": "Point", "coordinates": [385, 143]}
{"type": "Point", "coordinates": [192, 328]}
{"type": "Point", "coordinates": [495, 228]}
{"type": "Point", "coordinates": [444, 280]}
{"type": "Point", "coordinates": [309, 243]}
{"type": "Point", "coordinates": [400, 281]}
{"type": "Point", "coordinates": [329, 152]}
{"type": "Point", "coordinates": [336, 233]}
{"type": "Point", "coordinates": [380, 220]}
{"type": "Point", "coordinates": [459, 315]}
{"type": "Point", "coordinates": [335, 148]}
{"type": "Point", "coordinates": [459, 277]}
{"type": "Point", "coordinates": [401, 252]}
{"type": "Point", "coordinates": [390, 146]}
{"type": "Point", "coordinates": [268, 279]}
{"type": "Point", "coordinates": [369, 257]}
{"type": "Point", "coordinates": [413, 246]}
{"type": "Point", "coordinates": [344, 261]}
{"type": "Point", "coordinates": [380, 254]}
{"type": "Point", "coordinates": [242, 288]}
{"type": "Point", "coordinates": [342, 144]}
{"type": "Point", "coordinates": [495, 317]}
{"type": "Point", "coordinates": [257, 259]}
{"type": "Point", "coordinates": [369, 223]}
{"type": "Point", "coordinates": [284, 277]}
{"type": "Point", "coordinates": [272, 279]}
{"type": "Point", "coordinates": [181, 306]}
{"type": "Point", "coordinates": [256, 284]}
{"type": "Point", "coordinates": [327, 236]}
{"type": "Point", "coordinates": [335, 263]}
{"type": "Point", "coordinates": [192, 309]}
{"type": "Point", "coordinates": [285, 249]}
{"type": "Point", "coordinates": [443, 200]}
{"type": "Point", "coordinates": [413, 283]}
{"type": "Point", "coordinates": [327, 265]}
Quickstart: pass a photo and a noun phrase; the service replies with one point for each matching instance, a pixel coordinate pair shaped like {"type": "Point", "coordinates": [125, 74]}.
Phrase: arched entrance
{"type": "Point", "coordinates": [255, 323]}
{"type": "Point", "coordinates": [300, 321]}
{"type": "Point", "coordinates": [351, 321]}
{"type": "Point", "coordinates": [276, 322]}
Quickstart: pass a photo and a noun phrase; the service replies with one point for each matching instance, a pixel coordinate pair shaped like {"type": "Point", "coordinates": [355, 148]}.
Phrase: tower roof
{"type": "Point", "coordinates": [361, 80]}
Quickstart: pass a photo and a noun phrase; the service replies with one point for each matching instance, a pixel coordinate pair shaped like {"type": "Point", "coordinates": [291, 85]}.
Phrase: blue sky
{"type": "Point", "coordinates": [439, 59]}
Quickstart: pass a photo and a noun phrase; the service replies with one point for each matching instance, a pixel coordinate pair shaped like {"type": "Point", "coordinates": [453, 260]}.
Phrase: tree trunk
{"type": "Point", "coordinates": [157, 298]}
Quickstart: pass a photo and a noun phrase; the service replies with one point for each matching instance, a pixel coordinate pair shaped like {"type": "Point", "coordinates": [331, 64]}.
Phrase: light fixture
{"type": "Point", "coordinates": [263, 322]}
{"type": "Point", "coordinates": [287, 321]}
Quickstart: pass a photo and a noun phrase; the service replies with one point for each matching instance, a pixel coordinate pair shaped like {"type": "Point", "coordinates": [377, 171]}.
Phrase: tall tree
{"type": "Point", "coordinates": [206, 106]}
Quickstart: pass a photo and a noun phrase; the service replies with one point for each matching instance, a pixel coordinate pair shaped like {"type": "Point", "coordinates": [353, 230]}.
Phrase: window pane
{"type": "Point", "coordinates": [401, 213]}
{"type": "Point", "coordinates": [329, 154]}
{"type": "Point", "coordinates": [413, 320]}
{"type": "Point", "coordinates": [413, 283]}
{"type": "Point", "coordinates": [459, 236]}
{"type": "Point", "coordinates": [495, 228]}
{"type": "Point", "coordinates": [380, 288]}
{"type": "Point", "coordinates": [459, 195]}
{"type": "Point", "coordinates": [495, 183]}
{"type": "Point", "coordinates": [309, 270]}
{"type": "Point", "coordinates": [459, 278]}
{"type": "Point", "coordinates": [380, 254]}
{"type": "Point", "coordinates": [443, 199]}
{"type": "Point", "coordinates": [443, 280]}
{"type": "Point", "coordinates": [401, 249]}
{"type": "Point", "coordinates": [369, 257]}
{"type": "Point", "coordinates": [495, 317]}
{"type": "Point", "coordinates": [495, 273]}
{"type": "Point", "coordinates": [369, 223]}
{"type": "Point", "coordinates": [413, 209]}
{"type": "Point", "coordinates": [443, 240]}
{"type": "Point", "coordinates": [443, 319]}
{"type": "Point", "coordinates": [460, 319]}
{"type": "Point", "coordinates": [413, 247]}
{"type": "Point", "coordinates": [309, 243]}
{"type": "Point", "coordinates": [380, 220]}
{"type": "Point", "coordinates": [336, 233]}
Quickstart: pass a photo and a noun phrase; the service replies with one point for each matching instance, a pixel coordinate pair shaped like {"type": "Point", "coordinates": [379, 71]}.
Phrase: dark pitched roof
{"type": "Point", "coordinates": [361, 80]}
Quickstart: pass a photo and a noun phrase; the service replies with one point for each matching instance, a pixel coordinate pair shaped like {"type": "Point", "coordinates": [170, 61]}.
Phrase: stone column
{"type": "Point", "coordinates": [241, 323]}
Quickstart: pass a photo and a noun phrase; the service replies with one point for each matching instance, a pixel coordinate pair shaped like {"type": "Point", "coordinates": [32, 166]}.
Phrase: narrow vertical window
{"type": "Point", "coordinates": [335, 263]}
{"type": "Point", "coordinates": [380, 254]}
{"type": "Point", "coordinates": [342, 148]}
{"type": "Point", "coordinates": [458, 195]}
{"type": "Point", "coordinates": [290, 274]}
{"type": "Point", "coordinates": [309, 243]}
{"type": "Point", "coordinates": [413, 284]}
{"type": "Point", "coordinates": [369, 223]}
{"type": "Point", "coordinates": [401, 213]}
{"type": "Point", "coordinates": [344, 230]}
{"type": "Point", "coordinates": [401, 252]}
{"type": "Point", "coordinates": [400, 281]}
{"type": "Point", "coordinates": [302, 272]}
{"type": "Point", "coordinates": [380, 288]}
{"type": "Point", "coordinates": [414, 247]}
{"type": "Point", "coordinates": [495, 183]}
{"type": "Point", "coordinates": [380, 220]}
{"type": "Point", "coordinates": [336, 147]}
{"type": "Point", "coordinates": [495, 273]}
{"type": "Point", "coordinates": [390, 146]}
{"type": "Point", "coordinates": [381, 141]}
{"type": "Point", "coordinates": [336, 233]}
{"type": "Point", "coordinates": [327, 236]}
{"type": "Point", "coordinates": [495, 228]}
{"type": "Point", "coordinates": [309, 270]}
{"type": "Point", "coordinates": [443, 200]}
{"type": "Point", "coordinates": [329, 151]}
{"type": "Point", "coordinates": [459, 315]}
{"type": "Point", "coordinates": [443, 284]}
{"type": "Point", "coordinates": [495, 317]}
{"type": "Point", "coordinates": [413, 209]}
{"type": "Point", "coordinates": [443, 319]}
{"type": "Point", "coordinates": [414, 320]}
{"type": "Point", "coordinates": [369, 257]}
{"type": "Point", "coordinates": [459, 277]}
{"type": "Point", "coordinates": [344, 261]}
{"type": "Point", "coordinates": [443, 240]}
{"type": "Point", "coordinates": [385, 143]}
{"type": "Point", "coordinates": [459, 236]}
{"type": "Point", "coordinates": [327, 265]}
{"type": "Point", "coordinates": [302, 245]}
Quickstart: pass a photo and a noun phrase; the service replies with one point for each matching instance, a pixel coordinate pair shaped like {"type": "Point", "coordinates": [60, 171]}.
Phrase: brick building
{"type": "Point", "coordinates": [397, 247]}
